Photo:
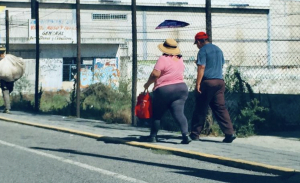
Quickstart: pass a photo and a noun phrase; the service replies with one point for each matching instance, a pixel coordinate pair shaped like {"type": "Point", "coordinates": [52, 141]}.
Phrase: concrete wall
{"type": "Point", "coordinates": [65, 50]}
{"type": "Point", "coordinates": [284, 109]}
{"type": "Point", "coordinates": [104, 70]}
{"type": "Point", "coordinates": [247, 38]}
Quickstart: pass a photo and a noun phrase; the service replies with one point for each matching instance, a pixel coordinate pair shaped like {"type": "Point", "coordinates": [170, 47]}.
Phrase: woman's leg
{"type": "Point", "coordinates": [179, 96]}
{"type": "Point", "coordinates": [159, 107]}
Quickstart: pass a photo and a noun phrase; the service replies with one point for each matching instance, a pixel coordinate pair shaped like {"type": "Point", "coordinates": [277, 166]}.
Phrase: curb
{"type": "Point", "coordinates": [237, 163]}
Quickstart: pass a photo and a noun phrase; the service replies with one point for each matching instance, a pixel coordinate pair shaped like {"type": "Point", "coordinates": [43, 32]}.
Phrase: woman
{"type": "Point", "coordinates": [170, 90]}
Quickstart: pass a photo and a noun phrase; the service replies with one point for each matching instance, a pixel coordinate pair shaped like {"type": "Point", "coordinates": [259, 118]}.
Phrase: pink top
{"type": "Point", "coordinates": [171, 68]}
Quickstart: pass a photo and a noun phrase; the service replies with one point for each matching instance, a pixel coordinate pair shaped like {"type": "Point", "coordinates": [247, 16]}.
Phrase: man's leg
{"type": "Point", "coordinates": [199, 114]}
{"type": "Point", "coordinates": [220, 111]}
{"type": "Point", "coordinates": [6, 99]}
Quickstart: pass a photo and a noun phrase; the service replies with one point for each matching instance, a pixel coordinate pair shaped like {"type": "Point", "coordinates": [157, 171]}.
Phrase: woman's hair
{"type": "Point", "coordinates": [178, 56]}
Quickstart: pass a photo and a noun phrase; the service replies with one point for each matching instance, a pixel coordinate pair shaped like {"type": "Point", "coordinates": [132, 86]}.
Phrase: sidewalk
{"type": "Point", "coordinates": [268, 154]}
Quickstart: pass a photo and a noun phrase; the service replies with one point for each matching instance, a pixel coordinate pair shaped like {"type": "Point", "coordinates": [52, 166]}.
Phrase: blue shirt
{"type": "Point", "coordinates": [212, 58]}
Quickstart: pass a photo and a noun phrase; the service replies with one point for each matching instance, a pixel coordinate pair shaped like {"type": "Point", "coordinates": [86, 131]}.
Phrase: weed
{"type": "Point", "coordinates": [215, 130]}
{"type": "Point", "coordinates": [97, 102]}
{"type": "Point", "coordinates": [22, 102]}
{"type": "Point", "coordinates": [22, 85]}
{"type": "Point", "coordinates": [1, 103]}
{"type": "Point", "coordinates": [251, 118]}
{"type": "Point", "coordinates": [54, 101]}
{"type": "Point", "coordinates": [107, 104]}
{"type": "Point", "coordinates": [248, 116]}
{"type": "Point", "coordinates": [72, 104]}
{"type": "Point", "coordinates": [39, 97]}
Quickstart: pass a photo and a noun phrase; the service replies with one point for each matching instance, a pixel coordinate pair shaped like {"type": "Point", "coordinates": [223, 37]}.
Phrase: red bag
{"type": "Point", "coordinates": [143, 108]}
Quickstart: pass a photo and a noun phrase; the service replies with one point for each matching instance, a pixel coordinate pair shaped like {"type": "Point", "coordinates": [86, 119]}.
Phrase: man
{"type": "Point", "coordinates": [210, 89]}
{"type": "Point", "coordinates": [6, 87]}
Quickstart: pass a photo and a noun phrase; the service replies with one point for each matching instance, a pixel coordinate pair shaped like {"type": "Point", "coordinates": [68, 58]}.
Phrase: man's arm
{"type": "Point", "coordinates": [200, 73]}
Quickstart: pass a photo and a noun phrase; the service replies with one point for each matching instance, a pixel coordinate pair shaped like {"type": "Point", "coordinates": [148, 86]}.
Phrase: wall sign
{"type": "Point", "coordinates": [53, 31]}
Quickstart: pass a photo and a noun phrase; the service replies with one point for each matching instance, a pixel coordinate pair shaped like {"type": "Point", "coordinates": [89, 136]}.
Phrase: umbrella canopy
{"type": "Point", "coordinates": [171, 24]}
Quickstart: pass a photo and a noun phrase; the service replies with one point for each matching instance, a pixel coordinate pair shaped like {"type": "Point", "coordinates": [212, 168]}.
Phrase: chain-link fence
{"type": "Point", "coordinates": [261, 49]}
{"type": "Point", "coordinates": [260, 41]}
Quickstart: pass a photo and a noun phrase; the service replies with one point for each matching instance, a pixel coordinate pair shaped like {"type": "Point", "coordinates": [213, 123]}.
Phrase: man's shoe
{"type": "Point", "coordinates": [229, 138]}
{"type": "Point", "coordinates": [148, 139]}
{"type": "Point", "coordinates": [186, 139]}
{"type": "Point", "coordinates": [194, 137]}
{"type": "Point", "coordinates": [6, 111]}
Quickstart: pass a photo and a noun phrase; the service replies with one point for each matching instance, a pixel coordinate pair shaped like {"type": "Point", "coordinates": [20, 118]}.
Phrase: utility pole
{"type": "Point", "coordinates": [134, 62]}
{"type": "Point", "coordinates": [7, 30]}
{"type": "Point", "coordinates": [208, 19]}
{"type": "Point", "coordinates": [209, 33]}
{"type": "Point", "coordinates": [33, 9]}
{"type": "Point", "coordinates": [37, 57]}
{"type": "Point", "coordinates": [78, 58]}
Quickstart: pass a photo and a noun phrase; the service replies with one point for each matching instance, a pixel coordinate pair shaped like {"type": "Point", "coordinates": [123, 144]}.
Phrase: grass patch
{"type": "Point", "coordinates": [105, 103]}
{"type": "Point", "coordinates": [54, 101]}
{"type": "Point", "coordinates": [22, 102]}
{"type": "Point", "coordinates": [98, 102]}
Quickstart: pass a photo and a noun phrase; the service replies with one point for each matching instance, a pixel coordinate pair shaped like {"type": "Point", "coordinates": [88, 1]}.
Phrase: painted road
{"type": "Point", "coordinates": [30, 154]}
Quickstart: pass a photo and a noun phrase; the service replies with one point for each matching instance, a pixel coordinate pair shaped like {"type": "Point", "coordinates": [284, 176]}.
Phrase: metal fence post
{"type": "Point", "coordinates": [7, 30]}
{"type": "Point", "coordinates": [37, 57]}
{"type": "Point", "coordinates": [134, 61]}
{"type": "Point", "coordinates": [78, 58]}
{"type": "Point", "coordinates": [208, 19]}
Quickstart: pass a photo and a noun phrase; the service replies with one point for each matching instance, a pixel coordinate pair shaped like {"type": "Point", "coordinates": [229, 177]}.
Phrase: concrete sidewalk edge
{"type": "Point", "coordinates": [237, 163]}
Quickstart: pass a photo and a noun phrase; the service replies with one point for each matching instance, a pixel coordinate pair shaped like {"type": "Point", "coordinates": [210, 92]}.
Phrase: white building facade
{"type": "Point", "coordinates": [256, 34]}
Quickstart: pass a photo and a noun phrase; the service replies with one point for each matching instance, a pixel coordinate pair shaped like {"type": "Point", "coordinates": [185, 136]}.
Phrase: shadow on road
{"type": "Point", "coordinates": [214, 141]}
{"type": "Point", "coordinates": [118, 140]}
{"type": "Point", "coordinates": [189, 171]}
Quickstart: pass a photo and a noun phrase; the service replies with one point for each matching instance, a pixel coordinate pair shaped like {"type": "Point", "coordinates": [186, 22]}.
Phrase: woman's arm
{"type": "Point", "coordinates": [152, 78]}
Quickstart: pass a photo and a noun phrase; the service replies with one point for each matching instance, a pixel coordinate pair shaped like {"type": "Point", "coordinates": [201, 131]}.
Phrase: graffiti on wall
{"type": "Point", "coordinates": [51, 73]}
{"type": "Point", "coordinates": [105, 70]}
{"type": "Point", "coordinates": [86, 76]}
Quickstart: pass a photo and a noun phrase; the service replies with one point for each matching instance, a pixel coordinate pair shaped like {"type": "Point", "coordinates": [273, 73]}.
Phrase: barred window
{"type": "Point", "coordinates": [96, 16]}
{"type": "Point", "coordinates": [70, 67]}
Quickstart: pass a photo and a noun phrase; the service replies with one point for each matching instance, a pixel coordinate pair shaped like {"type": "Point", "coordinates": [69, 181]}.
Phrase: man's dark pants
{"type": "Point", "coordinates": [212, 94]}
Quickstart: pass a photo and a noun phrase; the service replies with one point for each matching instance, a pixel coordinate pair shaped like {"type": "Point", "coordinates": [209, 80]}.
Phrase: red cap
{"type": "Point", "coordinates": [200, 35]}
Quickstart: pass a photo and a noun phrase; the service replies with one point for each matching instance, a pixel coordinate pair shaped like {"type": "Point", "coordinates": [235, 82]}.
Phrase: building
{"type": "Point", "coordinates": [256, 34]}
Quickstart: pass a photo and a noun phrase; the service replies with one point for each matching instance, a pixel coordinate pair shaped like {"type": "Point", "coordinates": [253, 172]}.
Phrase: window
{"type": "Point", "coordinates": [96, 16]}
{"type": "Point", "coordinates": [70, 67]}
